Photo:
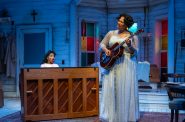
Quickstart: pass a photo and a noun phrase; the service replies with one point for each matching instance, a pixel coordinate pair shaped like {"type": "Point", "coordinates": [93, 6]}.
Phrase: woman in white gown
{"type": "Point", "coordinates": [120, 86]}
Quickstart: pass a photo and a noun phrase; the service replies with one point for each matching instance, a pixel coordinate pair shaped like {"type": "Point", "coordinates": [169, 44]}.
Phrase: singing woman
{"type": "Point", "coordinates": [120, 102]}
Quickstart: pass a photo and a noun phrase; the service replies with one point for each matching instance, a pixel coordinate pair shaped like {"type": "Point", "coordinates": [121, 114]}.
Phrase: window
{"type": "Point", "coordinates": [89, 43]}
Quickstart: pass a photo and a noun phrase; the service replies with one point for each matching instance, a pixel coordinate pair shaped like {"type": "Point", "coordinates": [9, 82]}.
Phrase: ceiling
{"type": "Point", "coordinates": [119, 3]}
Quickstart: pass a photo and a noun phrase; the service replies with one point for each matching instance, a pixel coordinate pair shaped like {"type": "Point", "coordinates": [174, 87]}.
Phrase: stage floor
{"type": "Point", "coordinates": [150, 101]}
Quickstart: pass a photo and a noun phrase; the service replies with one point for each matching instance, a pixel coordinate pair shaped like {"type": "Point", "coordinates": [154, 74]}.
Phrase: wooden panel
{"type": "Point", "coordinates": [56, 93]}
{"type": "Point", "coordinates": [91, 94]}
{"type": "Point", "coordinates": [154, 73]}
{"type": "Point", "coordinates": [48, 96]}
{"type": "Point", "coordinates": [59, 73]}
{"type": "Point", "coordinates": [77, 98]}
{"type": "Point", "coordinates": [63, 96]}
{"type": "Point", "coordinates": [32, 97]}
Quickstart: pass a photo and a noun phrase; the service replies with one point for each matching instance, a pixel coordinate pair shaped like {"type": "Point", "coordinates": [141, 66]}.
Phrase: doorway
{"type": "Point", "coordinates": [33, 41]}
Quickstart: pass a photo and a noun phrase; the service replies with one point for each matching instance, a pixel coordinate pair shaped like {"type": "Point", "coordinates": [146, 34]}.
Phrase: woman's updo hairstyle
{"type": "Point", "coordinates": [128, 21]}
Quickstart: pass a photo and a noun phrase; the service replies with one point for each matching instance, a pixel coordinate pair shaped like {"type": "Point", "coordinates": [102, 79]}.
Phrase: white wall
{"type": "Point", "coordinates": [179, 25]}
{"type": "Point", "coordinates": [57, 13]}
{"type": "Point", "coordinates": [51, 12]}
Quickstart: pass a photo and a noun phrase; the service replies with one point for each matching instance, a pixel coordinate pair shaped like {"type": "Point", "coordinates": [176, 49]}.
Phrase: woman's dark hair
{"type": "Point", "coordinates": [45, 60]}
{"type": "Point", "coordinates": [128, 21]}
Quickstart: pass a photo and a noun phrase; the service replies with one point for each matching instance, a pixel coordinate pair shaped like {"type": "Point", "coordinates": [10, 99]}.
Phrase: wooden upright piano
{"type": "Point", "coordinates": [57, 93]}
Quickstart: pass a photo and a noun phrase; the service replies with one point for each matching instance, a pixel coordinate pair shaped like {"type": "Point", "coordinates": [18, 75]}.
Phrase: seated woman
{"type": "Point", "coordinates": [49, 59]}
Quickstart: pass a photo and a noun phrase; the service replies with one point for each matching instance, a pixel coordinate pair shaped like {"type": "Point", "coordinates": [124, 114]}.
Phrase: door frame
{"type": "Point", "coordinates": [20, 31]}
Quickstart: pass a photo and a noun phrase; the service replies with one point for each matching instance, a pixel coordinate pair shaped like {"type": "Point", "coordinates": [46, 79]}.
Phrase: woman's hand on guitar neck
{"type": "Point", "coordinates": [128, 42]}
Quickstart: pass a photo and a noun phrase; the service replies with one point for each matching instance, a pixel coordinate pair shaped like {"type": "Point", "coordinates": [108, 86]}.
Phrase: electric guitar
{"type": "Point", "coordinates": [116, 52]}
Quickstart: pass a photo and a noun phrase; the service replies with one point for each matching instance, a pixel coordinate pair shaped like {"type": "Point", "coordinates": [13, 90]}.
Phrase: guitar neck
{"type": "Point", "coordinates": [139, 31]}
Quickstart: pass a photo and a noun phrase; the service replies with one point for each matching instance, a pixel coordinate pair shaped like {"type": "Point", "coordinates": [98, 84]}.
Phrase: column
{"type": "Point", "coordinates": [73, 34]}
{"type": "Point", "coordinates": [171, 39]}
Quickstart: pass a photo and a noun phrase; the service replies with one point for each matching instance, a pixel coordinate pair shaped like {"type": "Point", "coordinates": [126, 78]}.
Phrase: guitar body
{"type": "Point", "coordinates": [107, 61]}
{"type": "Point", "coordinates": [116, 52]}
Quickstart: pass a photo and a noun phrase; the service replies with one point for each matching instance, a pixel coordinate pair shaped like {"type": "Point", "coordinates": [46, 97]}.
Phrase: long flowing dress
{"type": "Point", "coordinates": [120, 86]}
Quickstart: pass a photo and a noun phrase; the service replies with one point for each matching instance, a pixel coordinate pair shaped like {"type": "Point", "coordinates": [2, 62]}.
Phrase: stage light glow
{"type": "Point", "coordinates": [133, 28]}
